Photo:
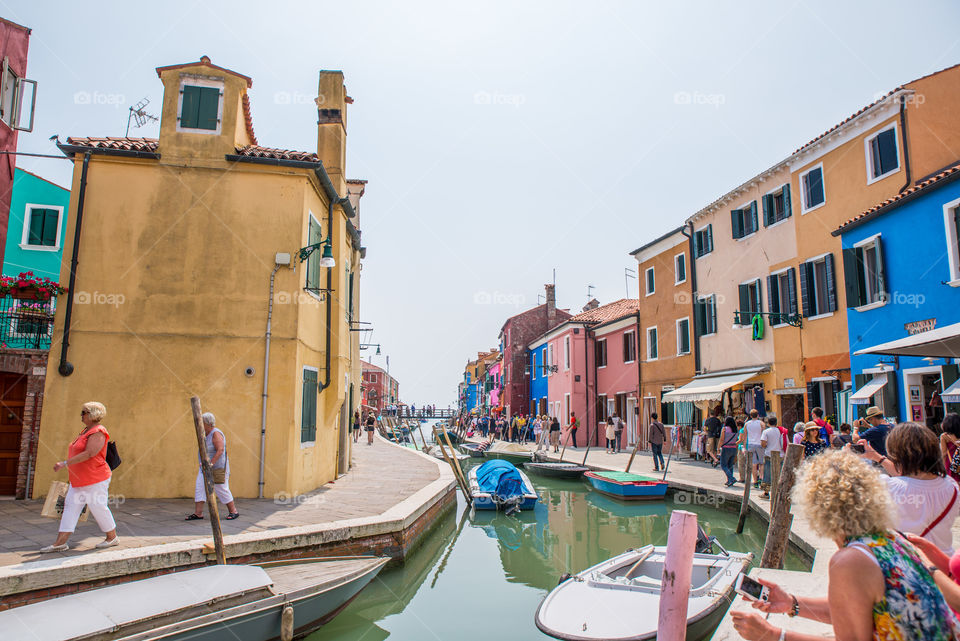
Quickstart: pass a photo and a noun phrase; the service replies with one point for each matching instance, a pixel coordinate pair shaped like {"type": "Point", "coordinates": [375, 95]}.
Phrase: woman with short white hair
{"type": "Point", "coordinates": [216, 444]}
{"type": "Point", "coordinates": [89, 473]}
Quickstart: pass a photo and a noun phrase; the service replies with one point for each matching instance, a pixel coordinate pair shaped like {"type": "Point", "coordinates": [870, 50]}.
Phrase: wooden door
{"type": "Point", "coordinates": [13, 396]}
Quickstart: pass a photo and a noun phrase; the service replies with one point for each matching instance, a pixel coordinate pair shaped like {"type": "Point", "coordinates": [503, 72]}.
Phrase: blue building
{"type": "Point", "coordinates": [901, 263]}
{"type": "Point", "coordinates": [37, 226]}
{"type": "Point", "coordinates": [536, 360]}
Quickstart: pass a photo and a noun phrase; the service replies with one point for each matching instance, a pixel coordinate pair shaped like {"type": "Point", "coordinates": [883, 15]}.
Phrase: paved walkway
{"type": "Point", "coordinates": [382, 475]}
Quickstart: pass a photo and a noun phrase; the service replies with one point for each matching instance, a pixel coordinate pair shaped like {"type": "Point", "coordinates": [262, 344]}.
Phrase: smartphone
{"type": "Point", "coordinates": [858, 448]}
{"type": "Point", "coordinates": [751, 589]}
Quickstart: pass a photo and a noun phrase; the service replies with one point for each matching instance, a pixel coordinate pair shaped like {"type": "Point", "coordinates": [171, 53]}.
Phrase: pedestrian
{"type": "Point", "coordinates": [356, 426]}
{"type": "Point", "coordinates": [216, 445]}
{"type": "Point", "coordinates": [618, 430]}
{"type": "Point", "coordinates": [658, 434]}
{"type": "Point", "coordinates": [812, 445]}
{"type": "Point", "coordinates": [712, 427]}
{"type": "Point", "coordinates": [555, 434]}
{"type": "Point", "coordinates": [843, 437]}
{"type": "Point", "coordinates": [826, 430]}
{"type": "Point", "coordinates": [772, 441]}
{"type": "Point", "coordinates": [754, 429]}
{"type": "Point", "coordinates": [741, 450]}
{"type": "Point", "coordinates": [610, 433]}
{"type": "Point", "coordinates": [877, 586]}
{"type": "Point", "coordinates": [874, 429]}
{"type": "Point", "coordinates": [371, 426]}
{"type": "Point", "coordinates": [949, 444]}
{"type": "Point", "coordinates": [89, 474]}
{"type": "Point", "coordinates": [574, 426]}
{"type": "Point", "coordinates": [728, 449]}
{"type": "Point", "coordinates": [537, 430]}
{"type": "Point", "coordinates": [798, 432]}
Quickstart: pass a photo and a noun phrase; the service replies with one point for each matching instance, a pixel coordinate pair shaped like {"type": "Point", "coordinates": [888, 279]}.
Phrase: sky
{"type": "Point", "coordinates": [501, 140]}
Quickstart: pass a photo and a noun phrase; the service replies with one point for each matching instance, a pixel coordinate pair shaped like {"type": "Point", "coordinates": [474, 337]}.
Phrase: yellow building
{"type": "Point", "coordinates": [203, 268]}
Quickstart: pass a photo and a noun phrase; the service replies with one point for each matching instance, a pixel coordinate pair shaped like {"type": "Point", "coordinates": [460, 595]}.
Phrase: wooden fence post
{"type": "Point", "coordinates": [677, 572]}
{"type": "Point", "coordinates": [208, 481]}
{"type": "Point", "coordinates": [747, 484]}
{"type": "Point", "coordinates": [775, 464]}
{"type": "Point", "coordinates": [778, 531]}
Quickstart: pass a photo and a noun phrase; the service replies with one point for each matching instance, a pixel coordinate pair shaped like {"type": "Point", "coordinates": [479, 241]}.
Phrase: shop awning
{"type": "Point", "coordinates": [952, 393]}
{"type": "Point", "coordinates": [862, 395]}
{"type": "Point", "coordinates": [943, 342]}
{"type": "Point", "coordinates": [708, 388]}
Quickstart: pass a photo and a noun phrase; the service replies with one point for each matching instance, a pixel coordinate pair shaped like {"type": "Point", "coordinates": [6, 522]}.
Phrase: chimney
{"type": "Point", "coordinates": [551, 305]}
{"type": "Point", "coordinates": [593, 303]}
{"type": "Point", "coordinates": [332, 103]}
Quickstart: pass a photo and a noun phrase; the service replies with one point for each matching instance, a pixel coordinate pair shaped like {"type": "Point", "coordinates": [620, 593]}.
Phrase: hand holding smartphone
{"type": "Point", "coordinates": [751, 590]}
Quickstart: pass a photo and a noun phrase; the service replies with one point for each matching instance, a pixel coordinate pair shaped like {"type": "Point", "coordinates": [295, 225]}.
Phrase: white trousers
{"type": "Point", "coordinates": [95, 497]}
{"type": "Point", "coordinates": [222, 490]}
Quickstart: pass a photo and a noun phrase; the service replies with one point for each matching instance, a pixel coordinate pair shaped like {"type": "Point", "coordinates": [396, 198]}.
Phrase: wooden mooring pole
{"type": "Point", "coordinates": [747, 484]}
{"type": "Point", "coordinates": [778, 532]}
{"type": "Point", "coordinates": [208, 481]}
{"type": "Point", "coordinates": [677, 573]}
{"type": "Point", "coordinates": [776, 462]}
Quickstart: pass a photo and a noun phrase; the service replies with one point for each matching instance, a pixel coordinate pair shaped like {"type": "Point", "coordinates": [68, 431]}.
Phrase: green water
{"type": "Point", "coordinates": [483, 576]}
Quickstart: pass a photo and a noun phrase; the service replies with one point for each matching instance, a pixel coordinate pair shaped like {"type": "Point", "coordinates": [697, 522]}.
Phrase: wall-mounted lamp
{"type": "Point", "coordinates": [367, 345]}
{"type": "Point", "coordinates": [883, 364]}
{"type": "Point", "coordinates": [326, 260]}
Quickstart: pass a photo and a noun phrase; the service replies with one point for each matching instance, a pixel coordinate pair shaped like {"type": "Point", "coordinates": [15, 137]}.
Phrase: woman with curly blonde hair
{"type": "Point", "coordinates": [878, 585]}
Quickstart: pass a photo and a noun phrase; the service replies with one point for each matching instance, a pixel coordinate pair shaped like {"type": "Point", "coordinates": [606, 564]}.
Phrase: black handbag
{"type": "Point", "coordinates": [112, 456]}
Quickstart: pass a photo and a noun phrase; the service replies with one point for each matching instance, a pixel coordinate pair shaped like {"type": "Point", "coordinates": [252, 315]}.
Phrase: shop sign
{"type": "Point", "coordinates": [919, 327]}
{"type": "Point", "coordinates": [788, 382]}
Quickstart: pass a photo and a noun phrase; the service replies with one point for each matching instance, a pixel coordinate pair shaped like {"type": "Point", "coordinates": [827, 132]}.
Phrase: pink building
{"type": "Point", "coordinates": [496, 381]}
{"type": "Point", "coordinates": [597, 371]}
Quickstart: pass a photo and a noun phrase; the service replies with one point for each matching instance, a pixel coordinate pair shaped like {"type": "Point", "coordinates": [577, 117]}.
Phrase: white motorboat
{"type": "Point", "coordinates": [499, 485]}
{"type": "Point", "coordinates": [619, 599]}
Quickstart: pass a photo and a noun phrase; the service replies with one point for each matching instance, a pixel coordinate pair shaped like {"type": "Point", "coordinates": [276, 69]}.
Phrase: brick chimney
{"type": "Point", "coordinates": [593, 303]}
{"type": "Point", "coordinates": [551, 305]}
{"type": "Point", "coordinates": [332, 103]}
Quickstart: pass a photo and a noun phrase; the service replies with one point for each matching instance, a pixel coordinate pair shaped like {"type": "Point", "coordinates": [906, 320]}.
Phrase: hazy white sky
{"type": "Point", "coordinates": [501, 139]}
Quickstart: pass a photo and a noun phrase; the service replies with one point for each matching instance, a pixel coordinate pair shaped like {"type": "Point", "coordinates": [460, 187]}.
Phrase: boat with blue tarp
{"type": "Point", "coordinates": [499, 485]}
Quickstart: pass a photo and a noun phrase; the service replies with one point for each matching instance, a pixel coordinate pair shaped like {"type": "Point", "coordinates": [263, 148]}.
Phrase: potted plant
{"type": "Point", "coordinates": [27, 286]}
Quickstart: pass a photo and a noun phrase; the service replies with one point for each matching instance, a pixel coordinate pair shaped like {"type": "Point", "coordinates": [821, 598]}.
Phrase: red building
{"type": "Point", "coordinates": [379, 390]}
{"type": "Point", "coordinates": [16, 108]}
{"type": "Point", "coordinates": [515, 335]}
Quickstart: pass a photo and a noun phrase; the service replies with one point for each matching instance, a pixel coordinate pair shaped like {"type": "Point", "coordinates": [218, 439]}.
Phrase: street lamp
{"type": "Point", "coordinates": [326, 259]}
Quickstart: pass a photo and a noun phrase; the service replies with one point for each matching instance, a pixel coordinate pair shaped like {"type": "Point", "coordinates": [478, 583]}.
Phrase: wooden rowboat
{"type": "Point", "coordinates": [626, 486]}
{"type": "Point", "coordinates": [556, 470]}
{"type": "Point", "coordinates": [249, 602]}
{"type": "Point", "coordinates": [582, 607]}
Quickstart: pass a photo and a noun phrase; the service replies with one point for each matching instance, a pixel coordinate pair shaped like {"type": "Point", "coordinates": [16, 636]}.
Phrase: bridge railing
{"type": "Point", "coordinates": [424, 413]}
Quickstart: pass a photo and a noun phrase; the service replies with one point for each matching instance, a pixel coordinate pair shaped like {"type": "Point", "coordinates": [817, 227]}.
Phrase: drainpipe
{"type": "Point", "coordinates": [639, 406]}
{"type": "Point", "coordinates": [586, 384]}
{"type": "Point", "coordinates": [266, 378]}
{"type": "Point", "coordinates": [906, 149]}
{"type": "Point", "coordinates": [326, 357]}
{"type": "Point", "coordinates": [66, 367]}
{"type": "Point", "coordinates": [687, 230]}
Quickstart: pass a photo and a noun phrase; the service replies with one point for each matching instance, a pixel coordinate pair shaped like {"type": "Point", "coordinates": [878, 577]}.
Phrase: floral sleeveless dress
{"type": "Point", "coordinates": [912, 609]}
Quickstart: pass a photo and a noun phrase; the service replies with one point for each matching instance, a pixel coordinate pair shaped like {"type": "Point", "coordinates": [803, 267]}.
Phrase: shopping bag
{"type": "Point", "coordinates": [53, 505]}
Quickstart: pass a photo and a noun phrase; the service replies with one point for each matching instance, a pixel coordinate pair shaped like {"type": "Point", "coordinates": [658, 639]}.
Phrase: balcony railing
{"type": "Point", "coordinates": [26, 324]}
{"type": "Point", "coordinates": [746, 318]}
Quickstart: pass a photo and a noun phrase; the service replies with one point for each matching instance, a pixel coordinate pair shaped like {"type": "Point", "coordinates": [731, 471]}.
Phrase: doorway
{"type": "Point", "coordinates": [13, 397]}
{"type": "Point", "coordinates": [923, 389]}
{"type": "Point", "coordinates": [631, 420]}
{"type": "Point", "coordinates": [791, 410]}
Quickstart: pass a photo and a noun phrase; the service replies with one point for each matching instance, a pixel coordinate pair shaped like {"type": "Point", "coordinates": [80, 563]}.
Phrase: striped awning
{"type": "Point", "coordinates": [708, 388]}
{"type": "Point", "coordinates": [863, 395]}
{"type": "Point", "coordinates": [952, 393]}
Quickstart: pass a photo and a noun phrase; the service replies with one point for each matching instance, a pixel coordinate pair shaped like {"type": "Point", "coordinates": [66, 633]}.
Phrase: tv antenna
{"type": "Point", "coordinates": [627, 275]}
{"type": "Point", "coordinates": [590, 289]}
{"type": "Point", "coordinates": [139, 115]}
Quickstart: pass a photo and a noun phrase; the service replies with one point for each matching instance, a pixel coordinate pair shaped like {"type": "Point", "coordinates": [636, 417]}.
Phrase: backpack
{"type": "Point", "coordinates": [112, 456]}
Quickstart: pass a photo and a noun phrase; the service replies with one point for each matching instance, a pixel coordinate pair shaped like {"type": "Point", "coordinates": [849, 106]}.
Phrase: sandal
{"type": "Point", "coordinates": [193, 517]}
{"type": "Point", "coordinates": [232, 515]}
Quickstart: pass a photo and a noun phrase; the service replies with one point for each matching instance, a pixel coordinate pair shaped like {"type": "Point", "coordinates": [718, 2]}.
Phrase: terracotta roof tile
{"type": "Point", "coordinates": [248, 118]}
{"type": "Point", "coordinates": [256, 151]}
{"type": "Point", "coordinates": [920, 185]}
{"type": "Point", "coordinates": [120, 144]}
{"type": "Point", "coordinates": [608, 313]}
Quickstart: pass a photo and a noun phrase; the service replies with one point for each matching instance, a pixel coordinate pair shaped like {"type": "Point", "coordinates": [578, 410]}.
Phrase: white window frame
{"type": "Point", "coordinates": [632, 334]}
{"type": "Point", "coordinates": [816, 259]}
{"type": "Point", "coordinates": [679, 259]}
{"type": "Point", "coordinates": [200, 81]}
{"type": "Point", "coordinates": [803, 192]}
{"type": "Point", "coordinates": [695, 232]}
{"type": "Point", "coordinates": [874, 240]}
{"type": "Point", "coordinates": [953, 251]}
{"type": "Point", "coordinates": [707, 297]}
{"type": "Point", "coordinates": [566, 353]}
{"type": "Point", "coordinates": [789, 214]}
{"type": "Point", "coordinates": [759, 283]}
{"type": "Point", "coordinates": [27, 215]}
{"type": "Point", "coordinates": [868, 157]}
{"type": "Point", "coordinates": [605, 351]}
{"type": "Point", "coordinates": [689, 342]}
{"type": "Point", "coordinates": [308, 444]}
{"type": "Point", "coordinates": [650, 276]}
{"type": "Point", "coordinates": [550, 357]}
{"type": "Point", "coordinates": [656, 342]}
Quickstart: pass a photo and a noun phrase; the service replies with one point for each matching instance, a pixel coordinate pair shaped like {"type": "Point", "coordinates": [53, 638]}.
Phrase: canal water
{"type": "Point", "coordinates": [482, 576]}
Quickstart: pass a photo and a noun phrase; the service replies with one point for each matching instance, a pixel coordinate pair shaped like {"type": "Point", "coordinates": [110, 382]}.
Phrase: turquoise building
{"type": "Point", "coordinates": [36, 228]}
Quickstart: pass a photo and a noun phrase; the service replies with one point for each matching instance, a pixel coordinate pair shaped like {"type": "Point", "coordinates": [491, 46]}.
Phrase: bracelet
{"type": "Point", "coordinates": [795, 608]}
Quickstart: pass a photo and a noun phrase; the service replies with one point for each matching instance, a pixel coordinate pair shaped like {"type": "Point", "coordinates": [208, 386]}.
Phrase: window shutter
{"type": "Point", "coordinates": [209, 107]}
{"type": "Point", "coordinates": [791, 292]}
{"type": "Point", "coordinates": [773, 295]}
{"type": "Point", "coordinates": [805, 289]}
{"type": "Point", "coordinates": [753, 217]}
{"type": "Point", "coordinates": [831, 284]}
{"type": "Point", "coordinates": [887, 147]}
{"type": "Point", "coordinates": [881, 271]}
{"type": "Point", "coordinates": [891, 399]}
{"type": "Point", "coordinates": [948, 376]}
{"type": "Point", "coordinates": [35, 235]}
{"type": "Point", "coordinates": [744, 292]}
{"type": "Point", "coordinates": [712, 321]}
{"type": "Point", "coordinates": [190, 107]}
{"type": "Point", "coordinates": [699, 318]}
{"type": "Point", "coordinates": [851, 277]}
{"type": "Point", "coordinates": [767, 210]}
{"type": "Point", "coordinates": [813, 396]}
{"type": "Point", "coordinates": [736, 223]}
{"type": "Point", "coordinates": [50, 217]}
{"type": "Point", "coordinates": [308, 416]}
{"type": "Point", "coordinates": [758, 301]}
{"type": "Point", "coordinates": [786, 201]}
{"type": "Point", "coordinates": [859, 380]}
{"type": "Point", "coordinates": [709, 238]}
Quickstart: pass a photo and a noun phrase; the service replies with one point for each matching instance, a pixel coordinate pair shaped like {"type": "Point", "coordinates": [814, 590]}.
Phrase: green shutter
{"type": "Point", "coordinates": [753, 216]}
{"type": "Point", "coordinates": [50, 218]}
{"type": "Point", "coordinates": [712, 315]}
{"type": "Point", "coordinates": [831, 283]}
{"type": "Point", "coordinates": [736, 223]}
{"type": "Point", "coordinates": [852, 277]}
{"type": "Point", "coordinates": [773, 297]}
{"type": "Point", "coordinates": [190, 107]}
{"type": "Point", "coordinates": [786, 201]}
{"type": "Point", "coordinates": [769, 216]}
{"type": "Point", "coordinates": [806, 289]}
{"type": "Point", "coordinates": [35, 235]}
{"type": "Point", "coordinates": [758, 300]}
{"type": "Point", "coordinates": [199, 107]}
{"type": "Point", "coordinates": [743, 314]}
{"type": "Point", "coordinates": [709, 238]}
{"type": "Point", "coordinates": [308, 415]}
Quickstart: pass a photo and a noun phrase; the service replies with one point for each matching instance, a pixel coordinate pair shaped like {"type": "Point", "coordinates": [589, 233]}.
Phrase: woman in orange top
{"type": "Point", "coordinates": [89, 479]}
